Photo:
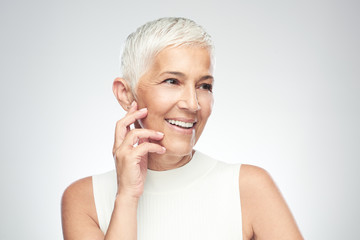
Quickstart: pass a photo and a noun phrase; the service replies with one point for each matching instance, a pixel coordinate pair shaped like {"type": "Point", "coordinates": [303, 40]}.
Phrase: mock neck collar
{"type": "Point", "coordinates": [179, 178]}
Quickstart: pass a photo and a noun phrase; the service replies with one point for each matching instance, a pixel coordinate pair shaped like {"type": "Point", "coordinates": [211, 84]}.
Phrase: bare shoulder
{"type": "Point", "coordinates": [78, 194]}
{"type": "Point", "coordinates": [78, 188]}
{"type": "Point", "coordinates": [78, 211]}
{"type": "Point", "coordinates": [254, 180]}
{"type": "Point", "coordinates": [265, 212]}
{"type": "Point", "coordinates": [251, 174]}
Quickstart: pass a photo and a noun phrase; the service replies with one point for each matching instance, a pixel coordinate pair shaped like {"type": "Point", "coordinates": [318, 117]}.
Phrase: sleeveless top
{"type": "Point", "coordinates": [199, 200]}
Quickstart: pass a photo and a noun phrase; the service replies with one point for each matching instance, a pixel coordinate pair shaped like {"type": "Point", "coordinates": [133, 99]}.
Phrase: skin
{"type": "Point", "coordinates": [181, 80]}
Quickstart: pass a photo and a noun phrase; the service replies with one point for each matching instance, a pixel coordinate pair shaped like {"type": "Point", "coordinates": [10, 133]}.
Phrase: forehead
{"type": "Point", "coordinates": [196, 60]}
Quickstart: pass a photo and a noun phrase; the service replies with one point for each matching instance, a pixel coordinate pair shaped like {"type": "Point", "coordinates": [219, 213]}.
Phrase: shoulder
{"type": "Point", "coordinates": [265, 212]}
{"type": "Point", "coordinates": [78, 192]}
{"type": "Point", "coordinates": [78, 206]}
{"type": "Point", "coordinates": [254, 178]}
{"type": "Point", "coordinates": [257, 189]}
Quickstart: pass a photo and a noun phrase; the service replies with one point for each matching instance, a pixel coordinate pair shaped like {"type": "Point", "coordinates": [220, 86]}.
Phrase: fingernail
{"type": "Point", "coordinates": [163, 151]}
{"type": "Point", "coordinates": [133, 103]}
{"type": "Point", "coordinates": [143, 110]}
{"type": "Point", "coordinates": [160, 133]}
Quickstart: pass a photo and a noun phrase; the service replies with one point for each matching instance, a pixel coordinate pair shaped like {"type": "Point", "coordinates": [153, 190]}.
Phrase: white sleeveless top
{"type": "Point", "coordinates": [199, 200]}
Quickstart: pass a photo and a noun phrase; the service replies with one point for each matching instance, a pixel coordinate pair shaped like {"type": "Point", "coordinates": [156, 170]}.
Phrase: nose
{"type": "Point", "coordinates": [189, 100]}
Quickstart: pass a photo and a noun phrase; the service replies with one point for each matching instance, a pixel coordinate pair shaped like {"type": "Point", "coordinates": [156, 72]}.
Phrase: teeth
{"type": "Point", "coordinates": [181, 124]}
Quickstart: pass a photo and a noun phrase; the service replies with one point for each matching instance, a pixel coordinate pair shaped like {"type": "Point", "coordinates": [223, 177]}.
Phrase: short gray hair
{"type": "Point", "coordinates": [147, 41]}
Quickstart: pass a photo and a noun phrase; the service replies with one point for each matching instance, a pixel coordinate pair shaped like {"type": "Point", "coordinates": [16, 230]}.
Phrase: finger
{"type": "Point", "coordinates": [142, 140]}
{"type": "Point", "coordinates": [123, 125]}
{"type": "Point", "coordinates": [135, 135]}
{"type": "Point", "coordinates": [133, 107]}
{"type": "Point", "coordinates": [131, 117]}
{"type": "Point", "coordinates": [148, 147]}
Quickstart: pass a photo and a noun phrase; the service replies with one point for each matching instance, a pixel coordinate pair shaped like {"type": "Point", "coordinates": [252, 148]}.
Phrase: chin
{"type": "Point", "coordinates": [178, 148]}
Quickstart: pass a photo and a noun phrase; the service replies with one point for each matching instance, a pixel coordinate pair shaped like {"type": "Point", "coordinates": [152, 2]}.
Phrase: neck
{"type": "Point", "coordinates": [163, 162]}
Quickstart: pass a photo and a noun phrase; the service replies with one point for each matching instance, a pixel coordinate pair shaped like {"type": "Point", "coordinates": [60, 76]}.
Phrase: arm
{"type": "Point", "coordinates": [123, 223]}
{"type": "Point", "coordinates": [79, 217]}
{"type": "Point", "coordinates": [265, 212]}
{"type": "Point", "coordinates": [78, 213]}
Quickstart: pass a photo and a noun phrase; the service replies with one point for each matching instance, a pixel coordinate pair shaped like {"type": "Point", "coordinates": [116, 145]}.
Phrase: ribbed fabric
{"type": "Point", "coordinates": [199, 200]}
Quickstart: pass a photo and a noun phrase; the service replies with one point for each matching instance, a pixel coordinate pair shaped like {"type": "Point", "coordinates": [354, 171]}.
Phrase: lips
{"type": "Point", "coordinates": [181, 123]}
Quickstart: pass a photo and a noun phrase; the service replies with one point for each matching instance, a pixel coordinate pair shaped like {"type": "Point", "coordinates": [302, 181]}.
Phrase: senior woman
{"type": "Point", "coordinates": [162, 188]}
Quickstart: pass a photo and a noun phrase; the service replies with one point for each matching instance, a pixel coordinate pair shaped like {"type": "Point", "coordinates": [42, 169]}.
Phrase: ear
{"type": "Point", "coordinates": [123, 93]}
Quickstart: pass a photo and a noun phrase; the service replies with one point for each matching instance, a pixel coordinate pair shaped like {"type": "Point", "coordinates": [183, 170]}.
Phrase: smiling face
{"type": "Point", "coordinates": [177, 90]}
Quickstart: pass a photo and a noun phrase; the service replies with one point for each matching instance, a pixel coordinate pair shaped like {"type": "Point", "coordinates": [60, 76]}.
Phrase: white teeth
{"type": "Point", "coordinates": [181, 124]}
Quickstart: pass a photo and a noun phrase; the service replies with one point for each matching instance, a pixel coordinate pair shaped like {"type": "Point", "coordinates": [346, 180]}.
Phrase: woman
{"type": "Point", "coordinates": [162, 188]}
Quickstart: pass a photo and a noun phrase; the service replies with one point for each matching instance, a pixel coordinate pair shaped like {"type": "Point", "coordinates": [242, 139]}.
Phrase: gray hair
{"type": "Point", "coordinates": [142, 46]}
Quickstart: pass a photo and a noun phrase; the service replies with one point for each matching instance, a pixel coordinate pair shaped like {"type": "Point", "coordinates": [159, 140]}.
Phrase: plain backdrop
{"type": "Point", "coordinates": [286, 99]}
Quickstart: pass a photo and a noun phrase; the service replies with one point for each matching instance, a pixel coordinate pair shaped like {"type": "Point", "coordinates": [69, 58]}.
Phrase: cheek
{"type": "Point", "coordinates": [154, 98]}
{"type": "Point", "coordinates": [206, 103]}
{"type": "Point", "coordinates": [159, 102]}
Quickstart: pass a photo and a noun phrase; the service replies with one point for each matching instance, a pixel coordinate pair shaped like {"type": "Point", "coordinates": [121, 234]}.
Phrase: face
{"type": "Point", "coordinates": [177, 90]}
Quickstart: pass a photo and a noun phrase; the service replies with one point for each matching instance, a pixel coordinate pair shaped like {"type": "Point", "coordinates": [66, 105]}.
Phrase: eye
{"type": "Point", "coordinates": [171, 81]}
{"type": "Point", "coordinates": [206, 86]}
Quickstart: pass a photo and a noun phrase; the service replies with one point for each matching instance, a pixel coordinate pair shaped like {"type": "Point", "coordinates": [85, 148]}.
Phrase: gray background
{"type": "Point", "coordinates": [286, 99]}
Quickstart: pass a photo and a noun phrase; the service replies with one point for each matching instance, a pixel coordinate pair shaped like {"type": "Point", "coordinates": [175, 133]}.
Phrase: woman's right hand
{"type": "Point", "coordinates": [131, 161]}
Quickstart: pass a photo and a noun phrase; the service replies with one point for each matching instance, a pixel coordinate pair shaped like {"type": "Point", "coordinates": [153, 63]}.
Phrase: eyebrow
{"type": "Point", "coordinates": [180, 74]}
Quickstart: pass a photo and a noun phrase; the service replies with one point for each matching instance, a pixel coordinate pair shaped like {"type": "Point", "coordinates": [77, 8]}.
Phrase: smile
{"type": "Point", "coordinates": [180, 123]}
